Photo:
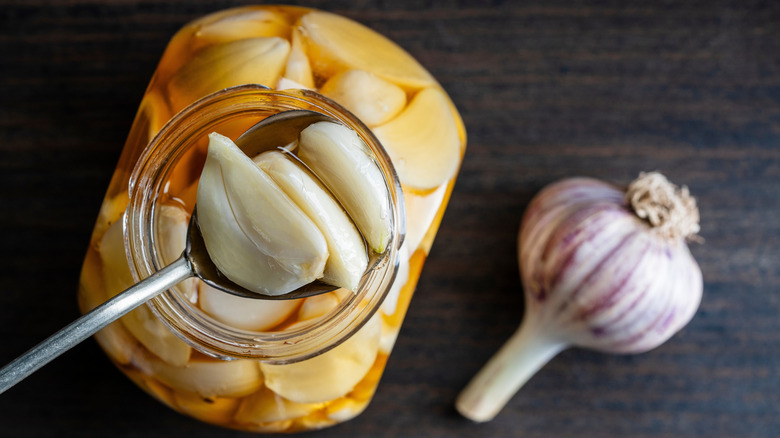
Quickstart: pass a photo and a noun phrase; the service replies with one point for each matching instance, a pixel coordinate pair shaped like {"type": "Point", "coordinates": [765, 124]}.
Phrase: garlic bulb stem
{"type": "Point", "coordinates": [525, 353]}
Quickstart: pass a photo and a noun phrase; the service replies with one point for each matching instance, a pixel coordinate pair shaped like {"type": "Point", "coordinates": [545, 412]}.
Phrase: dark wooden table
{"type": "Point", "coordinates": [548, 89]}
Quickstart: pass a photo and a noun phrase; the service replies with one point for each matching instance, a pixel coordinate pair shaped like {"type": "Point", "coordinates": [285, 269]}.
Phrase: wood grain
{"type": "Point", "coordinates": [548, 89]}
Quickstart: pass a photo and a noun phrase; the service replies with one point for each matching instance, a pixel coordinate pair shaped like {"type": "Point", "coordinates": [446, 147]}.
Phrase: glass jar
{"type": "Point", "coordinates": [304, 364]}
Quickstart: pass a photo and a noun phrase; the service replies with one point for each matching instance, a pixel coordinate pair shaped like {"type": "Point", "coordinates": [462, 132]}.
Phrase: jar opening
{"type": "Point", "coordinates": [234, 109]}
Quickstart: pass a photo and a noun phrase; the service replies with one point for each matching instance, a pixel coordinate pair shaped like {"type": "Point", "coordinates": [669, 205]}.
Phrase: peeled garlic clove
{"type": "Point", "coordinates": [339, 157]}
{"type": "Point", "coordinates": [336, 43]}
{"type": "Point", "coordinates": [345, 409]}
{"type": "Point", "coordinates": [248, 61]}
{"type": "Point", "coordinates": [343, 294]}
{"type": "Point", "coordinates": [421, 211]}
{"type": "Point", "coordinates": [330, 375]}
{"type": "Point", "coordinates": [244, 313]}
{"type": "Point", "coordinates": [173, 223]}
{"type": "Point", "coordinates": [253, 232]}
{"type": "Point", "coordinates": [317, 306]}
{"type": "Point", "coordinates": [140, 322]}
{"type": "Point", "coordinates": [423, 141]}
{"type": "Point", "coordinates": [116, 270]}
{"type": "Point", "coordinates": [372, 99]}
{"type": "Point", "coordinates": [289, 84]}
{"type": "Point", "coordinates": [215, 410]}
{"type": "Point", "coordinates": [390, 304]}
{"type": "Point", "coordinates": [347, 257]}
{"type": "Point", "coordinates": [151, 385]}
{"type": "Point", "coordinates": [117, 342]}
{"type": "Point", "coordinates": [401, 277]}
{"type": "Point", "coordinates": [154, 113]}
{"type": "Point", "coordinates": [231, 26]}
{"type": "Point", "coordinates": [298, 69]}
{"type": "Point", "coordinates": [205, 377]}
{"type": "Point", "coordinates": [389, 336]}
{"type": "Point", "coordinates": [265, 406]}
{"type": "Point", "coordinates": [111, 210]}
{"type": "Point", "coordinates": [156, 337]}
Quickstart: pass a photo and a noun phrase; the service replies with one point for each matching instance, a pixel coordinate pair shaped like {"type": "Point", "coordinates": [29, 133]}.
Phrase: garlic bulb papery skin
{"type": "Point", "coordinates": [597, 276]}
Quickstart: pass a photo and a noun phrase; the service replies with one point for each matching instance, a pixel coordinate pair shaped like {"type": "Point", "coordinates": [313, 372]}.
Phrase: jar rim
{"type": "Point", "coordinates": [188, 322]}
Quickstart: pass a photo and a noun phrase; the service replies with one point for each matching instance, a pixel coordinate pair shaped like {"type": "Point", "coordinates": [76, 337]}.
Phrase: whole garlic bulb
{"type": "Point", "coordinates": [601, 268]}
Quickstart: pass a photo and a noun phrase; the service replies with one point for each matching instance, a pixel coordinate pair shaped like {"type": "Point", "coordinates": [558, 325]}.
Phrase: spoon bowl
{"type": "Point", "coordinates": [277, 130]}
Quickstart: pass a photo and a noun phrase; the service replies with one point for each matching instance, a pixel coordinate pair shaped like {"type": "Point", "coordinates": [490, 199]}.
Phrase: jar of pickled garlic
{"type": "Point", "coordinates": [256, 365]}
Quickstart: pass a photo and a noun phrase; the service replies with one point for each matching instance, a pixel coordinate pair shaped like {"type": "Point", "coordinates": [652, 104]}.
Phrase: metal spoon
{"type": "Point", "coordinates": [280, 129]}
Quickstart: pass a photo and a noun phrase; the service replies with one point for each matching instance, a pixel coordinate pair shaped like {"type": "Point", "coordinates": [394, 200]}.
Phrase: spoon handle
{"type": "Point", "coordinates": [93, 321]}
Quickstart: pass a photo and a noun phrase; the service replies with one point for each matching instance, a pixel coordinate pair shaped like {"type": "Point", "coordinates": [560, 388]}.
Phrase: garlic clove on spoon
{"type": "Point", "coordinates": [347, 257]}
{"type": "Point", "coordinates": [253, 231]}
{"type": "Point", "coordinates": [601, 268]}
{"type": "Point", "coordinates": [338, 156]}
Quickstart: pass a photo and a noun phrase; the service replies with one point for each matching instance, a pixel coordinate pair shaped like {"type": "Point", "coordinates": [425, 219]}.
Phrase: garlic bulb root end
{"type": "Point", "coordinates": [669, 209]}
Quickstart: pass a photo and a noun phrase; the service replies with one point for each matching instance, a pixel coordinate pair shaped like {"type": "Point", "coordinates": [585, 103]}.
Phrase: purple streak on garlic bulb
{"type": "Point", "coordinates": [601, 268]}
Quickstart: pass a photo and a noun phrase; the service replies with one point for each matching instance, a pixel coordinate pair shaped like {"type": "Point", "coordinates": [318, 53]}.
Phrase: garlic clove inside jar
{"type": "Point", "coordinates": [330, 375]}
{"type": "Point", "coordinates": [318, 306]}
{"type": "Point", "coordinates": [140, 322]}
{"type": "Point", "coordinates": [267, 407]}
{"type": "Point", "coordinates": [205, 377]}
{"type": "Point", "coordinates": [372, 99]}
{"type": "Point", "coordinates": [244, 61]}
{"type": "Point", "coordinates": [228, 27]}
{"type": "Point", "coordinates": [336, 43]}
{"type": "Point", "coordinates": [298, 68]}
{"type": "Point", "coordinates": [173, 223]}
{"type": "Point", "coordinates": [242, 313]}
{"type": "Point", "coordinates": [425, 155]}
